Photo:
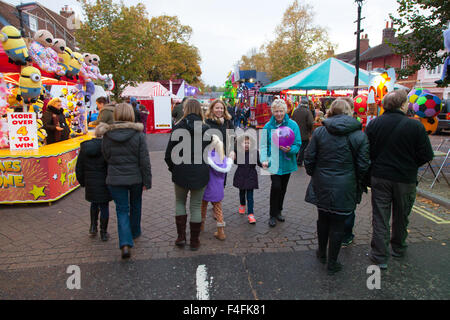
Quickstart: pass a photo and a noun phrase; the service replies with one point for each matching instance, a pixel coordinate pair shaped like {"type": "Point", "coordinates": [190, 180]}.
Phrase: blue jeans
{"type": "Point", "coordinates": [103, 207]}
{"type": "Point", "coordinates": [128, 200]}
{"type": "Point", "coordinates": [250, 202]}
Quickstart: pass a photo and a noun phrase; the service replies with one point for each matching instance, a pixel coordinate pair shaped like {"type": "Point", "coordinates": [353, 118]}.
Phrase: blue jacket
{"type": "Point", "coordinates": [284, 163]}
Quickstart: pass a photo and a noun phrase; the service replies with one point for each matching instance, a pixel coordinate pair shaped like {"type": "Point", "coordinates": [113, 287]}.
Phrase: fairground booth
{"type": "Point", "coordinates": [158, 101]}
{"type": "Point", "coordinates": [32, 171]}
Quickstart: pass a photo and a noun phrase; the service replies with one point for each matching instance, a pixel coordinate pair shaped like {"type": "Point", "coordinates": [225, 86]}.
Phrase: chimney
{"type": "Point", "coordinates": [388, 33]}
{"type": "Point", "coordinates": [66, 12]}
{"type": "Point", "coordinates": [364, 43]}
{"type": "Point", "coordinates": [330, 52]}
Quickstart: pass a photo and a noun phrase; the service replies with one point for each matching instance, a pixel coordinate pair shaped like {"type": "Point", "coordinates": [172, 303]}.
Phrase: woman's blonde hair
{"type": "Point", "coordinates": [54, 101]}
{"type": "Point", "coordinates": [192, 106]}
{"type": "Point", "coordinates": [210, 114]}
{"type": "Point", "coordinates": [278, 103]}
{"type": "Point", "coordinates": [340, 106]}
{"type": "Point", "coordinates": [123, 112]}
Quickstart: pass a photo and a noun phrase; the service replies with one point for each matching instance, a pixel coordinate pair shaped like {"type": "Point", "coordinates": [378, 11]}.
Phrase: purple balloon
{"type": "Point", "coordinates": [283, 137]}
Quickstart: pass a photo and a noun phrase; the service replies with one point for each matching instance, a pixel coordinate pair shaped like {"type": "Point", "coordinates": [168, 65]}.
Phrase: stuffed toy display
{"type": "Point", "coordinates": [30, 85]}
{"type": "Point", "coordinates": [14, 46]}
{"type": "Point", "coordinates": [42, 53]}
{"type": "Point", "coordinates": [65, 58]}
{"type": "Point", "coordinates": [4, 133]}
{"type": "Point", "coordinates": [88, 70]}
{"type": "Point", "coordinates": [74, 66]}
{"type": "Point", "coordinates": [95, 62]}
{"type": "Point", "coordinates": [445, 78]}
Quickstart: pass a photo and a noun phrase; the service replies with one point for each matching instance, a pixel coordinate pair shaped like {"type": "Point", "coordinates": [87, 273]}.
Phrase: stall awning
{"type": "Point", "coordinates": [331, 74]}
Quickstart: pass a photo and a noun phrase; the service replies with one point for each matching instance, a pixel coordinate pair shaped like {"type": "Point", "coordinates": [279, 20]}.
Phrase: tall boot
{"type": "Point", "coordinates": [220, 233]}
{"type": "Point", "coordinates": [195, 233]}
{"type": "Point", "coordinates": [333, 251]}
{"type": "Point", "coordinates": [94, 221]}
{"type": "Point", "coordinates": [322, 235]}
{"type": "Point", "coordinates": [181, 230]}
{"type": "Point", "coordinates": [103, 229]}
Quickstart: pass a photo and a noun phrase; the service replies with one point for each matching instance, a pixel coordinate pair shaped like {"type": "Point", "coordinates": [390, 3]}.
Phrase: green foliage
{"type": "Point", "coordinates": [419, 30]}
{"type": "Point", "coordinates": [134, 48]}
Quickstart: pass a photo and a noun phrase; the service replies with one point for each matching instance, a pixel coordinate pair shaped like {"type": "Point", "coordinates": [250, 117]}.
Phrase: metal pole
{"type": "Point", "coordinates": [358, 31]}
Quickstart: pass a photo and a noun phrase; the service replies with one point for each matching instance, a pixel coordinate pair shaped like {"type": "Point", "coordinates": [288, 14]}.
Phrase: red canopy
{"type": "Point", "coordinates": [10, 69]}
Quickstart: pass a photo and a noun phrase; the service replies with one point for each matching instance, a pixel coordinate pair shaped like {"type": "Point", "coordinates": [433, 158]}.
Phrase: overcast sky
{"type": "Point", "coordinates": [225, 30]}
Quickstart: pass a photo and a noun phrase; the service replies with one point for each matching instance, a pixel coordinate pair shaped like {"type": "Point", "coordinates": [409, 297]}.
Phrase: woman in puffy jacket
{"type": "Point", "coordinates": [129, 173]}
{"type": "Point", "coordinates": [337, 159]}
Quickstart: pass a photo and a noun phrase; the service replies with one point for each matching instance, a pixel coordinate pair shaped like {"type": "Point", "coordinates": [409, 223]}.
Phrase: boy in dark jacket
{"type": "Point", "coordinates": [91, 170]}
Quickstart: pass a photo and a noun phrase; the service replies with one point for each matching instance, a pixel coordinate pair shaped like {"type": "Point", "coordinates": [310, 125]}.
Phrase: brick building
{"type": "Point", "coordinates": [380, 56]}
{"type": "Point", "coordinates": [36, 17]}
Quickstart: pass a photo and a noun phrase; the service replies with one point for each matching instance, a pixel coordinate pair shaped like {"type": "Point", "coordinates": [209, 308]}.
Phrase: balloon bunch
{"type": "Point", "coordinates": [426, 106]}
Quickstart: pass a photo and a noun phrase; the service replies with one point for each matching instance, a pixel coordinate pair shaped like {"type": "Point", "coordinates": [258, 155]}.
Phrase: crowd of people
{"type": "Point", "coordinates": [341, 159]}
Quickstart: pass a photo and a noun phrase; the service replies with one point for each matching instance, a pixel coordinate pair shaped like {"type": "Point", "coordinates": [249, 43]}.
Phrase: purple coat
{"type": "Point", "coordinates": [214, 191]}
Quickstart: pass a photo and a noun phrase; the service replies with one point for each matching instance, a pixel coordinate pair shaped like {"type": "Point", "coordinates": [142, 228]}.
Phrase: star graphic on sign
{"type": "Point", "coordinates": [63, 178]}
{"type": "Point", "coordinates": [55, 176]}
{"type": "Point", "coordinates": [37, 192]}
{"type": "Point", "coordinates": [59, 161]}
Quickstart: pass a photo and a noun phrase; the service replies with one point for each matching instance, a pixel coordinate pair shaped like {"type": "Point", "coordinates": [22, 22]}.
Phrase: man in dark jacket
{"type": "Point", "coordinates": [305, 120]}
{"type": "Point", "coordinates": [398, 147]}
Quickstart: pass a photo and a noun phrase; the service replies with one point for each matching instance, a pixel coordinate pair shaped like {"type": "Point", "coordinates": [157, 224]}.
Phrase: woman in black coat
{"type": "Point", "coordinates": [190, 173]}
{"type": "Point", "coordinates": [91, 172]}
{"type": "Point", "coordinates": [337, 159]}
{"type": "Point", "coordinates": [246, 176]}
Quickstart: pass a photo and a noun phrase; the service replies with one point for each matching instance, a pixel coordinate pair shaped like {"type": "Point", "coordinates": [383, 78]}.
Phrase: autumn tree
{"type": "Point", "coordinates": [135, 48]}
{"type": "Point", "coordinates": [298, 44]}
{"type": "Point", "coordinates": [419, 28]}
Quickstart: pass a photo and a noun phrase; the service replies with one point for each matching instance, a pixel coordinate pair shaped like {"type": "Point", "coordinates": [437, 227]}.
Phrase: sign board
{"type": "Point", "coordinates": [22, 131]}
{"type": "Point", "coordinates": [163, 112]}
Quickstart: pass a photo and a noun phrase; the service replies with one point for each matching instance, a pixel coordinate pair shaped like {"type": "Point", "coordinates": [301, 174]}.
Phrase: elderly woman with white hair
{"type": "Point", "coordinates": [337, 159]}
{"type": "Point", "coordinates": [280, 161]}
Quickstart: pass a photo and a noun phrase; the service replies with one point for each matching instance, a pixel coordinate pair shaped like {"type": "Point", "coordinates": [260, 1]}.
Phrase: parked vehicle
{"type": "Point", "coordinates": [444, 116]}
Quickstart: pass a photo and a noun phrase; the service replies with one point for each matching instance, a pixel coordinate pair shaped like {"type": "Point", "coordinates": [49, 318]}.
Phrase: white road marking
{"type": "Point", "coordinates": [202, 283]}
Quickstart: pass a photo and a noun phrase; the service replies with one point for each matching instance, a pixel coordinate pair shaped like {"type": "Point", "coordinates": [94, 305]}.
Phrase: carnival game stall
{"type": "Point", "coordinates": [31, 170]}
{"type": "Point", "coordinates": [158, 102]}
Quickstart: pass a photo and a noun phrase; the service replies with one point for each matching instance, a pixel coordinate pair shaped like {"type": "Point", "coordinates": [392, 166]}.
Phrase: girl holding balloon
{"type": "Point", "coordinates": [280, 143]}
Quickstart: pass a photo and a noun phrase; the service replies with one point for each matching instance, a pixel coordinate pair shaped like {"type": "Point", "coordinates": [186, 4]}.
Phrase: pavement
{"type": "Point", "coordinates": [39, 242]}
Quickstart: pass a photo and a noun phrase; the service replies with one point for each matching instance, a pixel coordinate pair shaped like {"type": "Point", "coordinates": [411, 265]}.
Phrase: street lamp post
{"type": "Point", "coordinates": [358, 32]}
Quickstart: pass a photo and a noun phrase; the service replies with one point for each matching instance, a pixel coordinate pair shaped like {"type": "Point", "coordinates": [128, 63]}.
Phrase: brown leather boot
{"type": "Point", "coordinates": [220, 233]}
{"type": "Point", "coordinates": [181, 230]}
{"type": "Point", "coordinates": [195, 233]}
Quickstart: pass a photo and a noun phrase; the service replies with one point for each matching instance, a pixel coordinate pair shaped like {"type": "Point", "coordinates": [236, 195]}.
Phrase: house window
{"type": "Point", "coordinates": [404, 63]}
{"type": "Point", "coordinates": [33, 23]}
{"type": "Point", "coordinates": [369, 66]}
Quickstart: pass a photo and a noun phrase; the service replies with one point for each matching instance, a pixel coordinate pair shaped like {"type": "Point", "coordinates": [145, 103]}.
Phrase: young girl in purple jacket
{"type": "Point", "coordinates": [219, 165]}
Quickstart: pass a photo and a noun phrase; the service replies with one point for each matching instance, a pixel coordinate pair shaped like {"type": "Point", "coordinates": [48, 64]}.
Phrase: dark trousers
{"type": "Point", "coordinates": [103, 207]}
{"type": "Point", "coordinates": [348, 227]}
{"type": "Point", "coordinates": [128, 200]}
{"type": "Point", "coordinates": [250, 202]}
{"type": "Point", "coordinates": [330, 233]}
{"type": "Point", "coordinates": [301, 152]}
{"type": "Point", "coordinates": [277, 192]}
{"type": "Point", "coordinates": [390, 197]}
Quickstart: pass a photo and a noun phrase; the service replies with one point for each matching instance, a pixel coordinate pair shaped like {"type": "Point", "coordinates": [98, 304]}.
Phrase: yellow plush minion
{"type": "Point", "coordinates": [41, 133]}
{"type": "Point", "coordinates": [14, 45]}
{"type": "Point", "coordinates": [30, 85]}
{"type": "Point", "coordinates": [66, 57]}
{"type": "Point", "coordinates": [74, 65]}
